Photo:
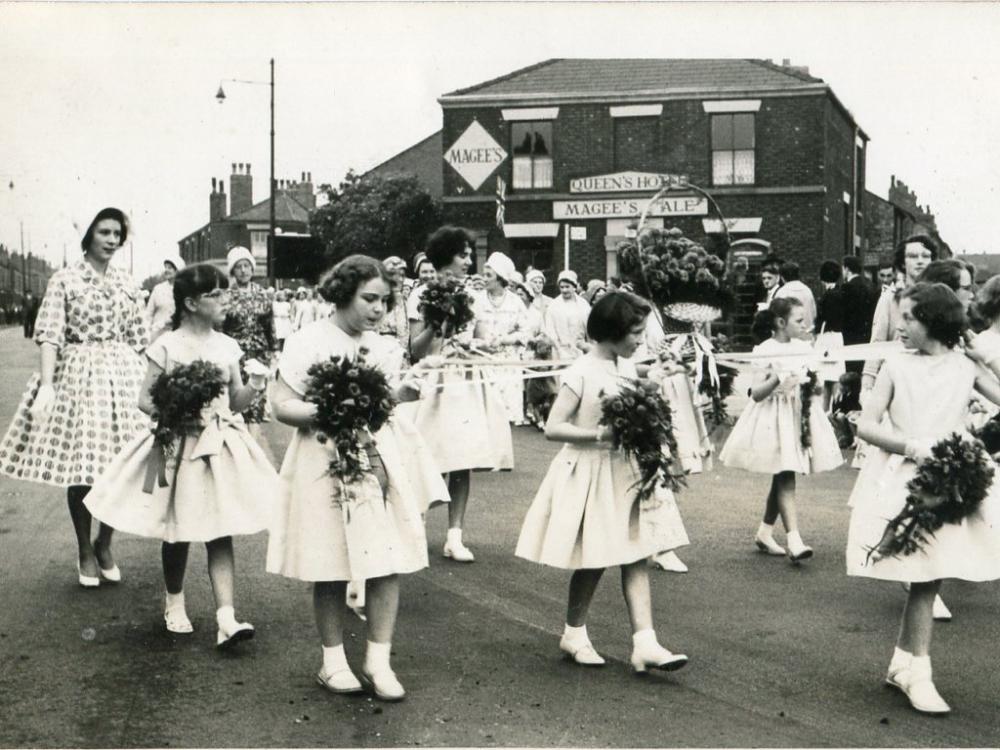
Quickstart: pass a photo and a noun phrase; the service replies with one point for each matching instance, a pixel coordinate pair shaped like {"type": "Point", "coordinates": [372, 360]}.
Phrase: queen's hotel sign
{"type": "Point", "coordinates": [625, 182]}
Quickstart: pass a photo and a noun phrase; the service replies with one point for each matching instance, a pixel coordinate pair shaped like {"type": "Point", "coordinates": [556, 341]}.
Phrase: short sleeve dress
{"type": "Point", "coordinates": [586, 513]}
{"type": "Point", "coordinates": [930, 396]}
{"type": "Point", "coordinates": [316, 536]}
{"type": "Point", "coordinates": [767, 437]}
{"type": "Point", "coordinates": [219, 484]}
{"type": "Point", "coordinates": [503, 318]}
{"type": "Point", "coordinates": [98, 326]}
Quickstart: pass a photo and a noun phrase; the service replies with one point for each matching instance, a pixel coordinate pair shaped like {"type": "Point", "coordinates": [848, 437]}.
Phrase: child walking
{"type": "Point", "coordinates": [219, 485]}
{"type": "Point", "coordinates": [925, 393]}
{"type": "Point", "coordinates": [768, 436]}
{"type": "Point", "coordinates": [586, 516]}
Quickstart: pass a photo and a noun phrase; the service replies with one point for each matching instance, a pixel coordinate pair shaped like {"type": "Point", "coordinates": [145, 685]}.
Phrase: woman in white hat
{"type": "Point", "coordinates": [566, 318]}
{"type": "Point", "coordinates": [160, 306]}
{"type": "Point", "coordinates": [250, 320]}
{"type": "Point", "coordinates": [501, 321]}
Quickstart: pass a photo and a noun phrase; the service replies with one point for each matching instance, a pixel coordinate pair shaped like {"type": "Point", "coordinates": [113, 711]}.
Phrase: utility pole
{"type": "Point", "coordinates": [24, 264]}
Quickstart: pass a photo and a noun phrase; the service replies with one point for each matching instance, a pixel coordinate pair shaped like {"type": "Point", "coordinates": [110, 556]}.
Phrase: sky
{"type": "Point", "coordinates": [114, 104]}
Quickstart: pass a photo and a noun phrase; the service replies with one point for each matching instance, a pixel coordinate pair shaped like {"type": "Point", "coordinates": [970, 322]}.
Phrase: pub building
{"type": "Point", "coordinates": [577, 147]}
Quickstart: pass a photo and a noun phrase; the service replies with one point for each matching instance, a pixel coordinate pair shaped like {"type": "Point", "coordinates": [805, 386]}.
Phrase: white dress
{"type": "Point", "coordinates": [767, 437]}
{"type": "Point", "coordinates": [930, 396]}
{"type": "Point", "coordinates": [282, 319]}
{"type": "Point", "coordinates": [315, 536]}
{"type": "Point", "coordinates": [586, 513]}
{"type": "Point", "coordinates": [566, 324]}
{"type": "Point", "coordinates": [220, 483]}
{"type": "Point", "coordinates": [500, 319]}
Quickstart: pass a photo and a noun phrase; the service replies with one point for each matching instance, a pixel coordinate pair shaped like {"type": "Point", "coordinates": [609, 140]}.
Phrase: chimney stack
{"type": "Point", "coordinates": [217, 201]}
{"type": "Point", "coordinates": [241, 185]}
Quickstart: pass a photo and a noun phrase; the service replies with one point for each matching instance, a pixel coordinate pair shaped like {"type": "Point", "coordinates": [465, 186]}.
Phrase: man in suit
{"type": "Point", "coordinates": [860, 298]}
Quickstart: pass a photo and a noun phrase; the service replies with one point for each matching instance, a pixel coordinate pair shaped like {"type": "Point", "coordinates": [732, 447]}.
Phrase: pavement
{"type": "Point", "coordinates": [781, 656]}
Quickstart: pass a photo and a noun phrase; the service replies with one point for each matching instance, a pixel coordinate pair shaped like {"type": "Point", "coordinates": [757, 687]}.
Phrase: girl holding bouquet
{"type": "Point", "coordinates": [209, 480]}
{"type": "Point", "coordinates": [329, 530]}
{"type": "Point", "coordinates": [588, 514]}
{"type": "Point", "coordinates": [783, 431]}
{"type": "Point", "coordinates": [462, 417]}
{"type": "Point", "coordinates": [925, 393]}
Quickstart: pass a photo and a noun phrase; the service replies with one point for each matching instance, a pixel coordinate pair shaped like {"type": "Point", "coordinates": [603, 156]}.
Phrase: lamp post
{"type": "Point", "coordinates": [221, 97]}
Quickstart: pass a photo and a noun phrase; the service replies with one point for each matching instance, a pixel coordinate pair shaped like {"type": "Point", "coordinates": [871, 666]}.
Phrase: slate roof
{"type": "Point", "coordinates": [583, 76]}
{"type": "Point", "coordinates": [286, 208]}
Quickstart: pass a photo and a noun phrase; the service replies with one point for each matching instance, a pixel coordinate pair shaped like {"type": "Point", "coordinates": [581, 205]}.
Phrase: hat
{"type": "Point", "coordinates": [526, 289]}
{"type": "Point", "coordinates": [393, 263]}
{"type": "Point", "coordinates": [534, 274]}
{"type": "Point", "coordinates": [569, 276]}
{"type": "Point", "coordinates": [175, 260]}
{"type": "Point", "coordinates": [237, 254]}
{"type": "Point", "coordinates": [502, 266]}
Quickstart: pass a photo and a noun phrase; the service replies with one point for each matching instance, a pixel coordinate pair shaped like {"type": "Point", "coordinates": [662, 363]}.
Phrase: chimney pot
{"type": "Point", "coordinates": [248, 168]}
{"type": "Point", "coordinates": [786, 62]}
{"type": "Point", "coordinates": [234, 167]}
{"type": "Point", "coordinates": [213, 184]}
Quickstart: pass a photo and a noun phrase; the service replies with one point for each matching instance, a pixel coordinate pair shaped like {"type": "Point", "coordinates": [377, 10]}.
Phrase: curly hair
{"type": "Point", "coordinates": [899, 259]}
{"type": "Point", "coordinates": [940, 311]}
{"type": "Point", "coordinates": [194, 281]}
{"type": "Point", "coordinates": [615, 314]}
{"type": "Point", "coordinates": [340, 283]}
{"type": "Point", "coordinates": [947, 272]}
{"type": "Point", "coordinates": [988, 299]}
{"type": "Point", "coordinates": [445, 244]}
{"type": "Point", "coordinates": [764, 322]}
{"type": "Point", "coordinates": [105, 213]}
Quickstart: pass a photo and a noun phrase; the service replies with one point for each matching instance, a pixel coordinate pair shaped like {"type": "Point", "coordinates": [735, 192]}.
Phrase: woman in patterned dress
{"type": "Point", "coordinates": [82, 408]}
{"type": "Point", "coordinates": [250, 320]}
{"type": "Point", "coordinates": [396, 323]}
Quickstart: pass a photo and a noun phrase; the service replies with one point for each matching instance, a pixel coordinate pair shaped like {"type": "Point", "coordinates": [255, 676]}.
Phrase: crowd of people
{"type": "Point", "coordinates": [83, 424]}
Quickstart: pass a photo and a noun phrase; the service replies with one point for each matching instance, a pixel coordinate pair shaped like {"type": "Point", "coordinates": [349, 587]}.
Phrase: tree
{"type": "Point", "coordinates": [373, 215]}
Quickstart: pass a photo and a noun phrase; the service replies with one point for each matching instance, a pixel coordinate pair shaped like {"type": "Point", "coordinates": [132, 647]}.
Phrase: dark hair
{"type": "Point", "coordinates": [937, 307]}
{"type": "Point", "coordinates": [853, 264]}
{"type": "Point", "coordinates": [614, 315]}
{"type": "Point", "coordinates": [340, 283]}
{"type": "Point", "coordinates": [947, 272]}
{"type": "Point", "coordinates": [193, 281]}
{"type": "Point", "coordinates": [789, 270]}
{"type": "Point", "coordinates": [105, 213]}
{"type": "Point", "coordinates": [423, 259]}
{"type": "Point", "coordinates": [988, 299]}
{"type": "Point", "coordinates": [772, 266]}
{"type": "Point", "coordinates": [764, 322]}
{"type": "Point", "coordinates": [830, 272]}
{"type": "Point", "coordinates": [445, 244]}
{"type": "Point", "coordinates": [899, 260]}
{"type": "Point", "coordinates": [887, 264]}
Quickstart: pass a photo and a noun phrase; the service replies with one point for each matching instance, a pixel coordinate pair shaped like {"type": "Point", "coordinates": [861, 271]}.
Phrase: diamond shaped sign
{"type": "Point", "coordinates": [475, 155]}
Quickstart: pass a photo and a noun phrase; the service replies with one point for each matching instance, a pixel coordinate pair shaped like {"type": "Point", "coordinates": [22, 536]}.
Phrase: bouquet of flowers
{"type": "Point", "coordinates": [806, 392]}
{"type": "Point", "coordinates": [949, 486]}
{"type": "Point", "coordinates": [179, 399]}
{"type": "Point", "coordinates": [642, 427]}
{"type": "Point", "coordinates": [717, 414]}
{"type": "Point", "coordinates": [989, 434]}
{"type": "Point", "coordinates": [677, 274]}
{"type": "Point", "coordinates": [446, 306]}
{"type": "Point", "coordinates": [353, 401]}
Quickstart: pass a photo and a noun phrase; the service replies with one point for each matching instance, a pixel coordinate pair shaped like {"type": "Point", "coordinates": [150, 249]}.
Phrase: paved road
{"type": "Point", "coordinates": [780, 656]}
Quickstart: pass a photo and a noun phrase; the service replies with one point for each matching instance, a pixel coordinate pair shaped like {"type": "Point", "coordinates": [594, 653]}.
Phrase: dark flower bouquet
{"type": "Point", "coordinates": [642, 427]}
{"type": "Point", "coordinates": [179, 398]}
{"type": "Point", "coordinates": [446, 306]}
{"type": "Point", "coordinates": [676, 274]}
{"type": "Point", "coordinates": [806, 392]}
{"type": "Point", "coordinates": [353, 401]}
{"type": "Point", "coordinates": [949, 486]}
{"type": "Point", "coordinates": [989, 434]}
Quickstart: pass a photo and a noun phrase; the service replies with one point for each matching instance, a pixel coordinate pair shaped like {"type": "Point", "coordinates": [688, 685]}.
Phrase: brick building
{"type": "Point", "coordinates": [893, 219]}
{"type": "Point", "coordinates": [247, 223]}
{"type": "Point", "coordinates": [581, 146]}
{"type": "Point", "coordinates": [14, 269]}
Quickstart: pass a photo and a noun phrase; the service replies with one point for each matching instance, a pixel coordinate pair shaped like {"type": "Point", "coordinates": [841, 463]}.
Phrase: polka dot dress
{"type": "Point", "coordinates": [98, 327]}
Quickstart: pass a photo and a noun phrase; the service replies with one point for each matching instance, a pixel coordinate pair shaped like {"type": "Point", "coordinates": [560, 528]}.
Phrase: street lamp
{"type": "Point", "coordinates": [221, 97]}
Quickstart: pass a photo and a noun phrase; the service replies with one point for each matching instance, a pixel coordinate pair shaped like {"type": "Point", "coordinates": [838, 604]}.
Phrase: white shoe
{"type": "Point", "coordinates": [228, 637]}
{"type": "Point", "coordinates": [797, 550]}
{"type": "Point", "coordinates": [670, 562]}
{"type": "Point", "coordinates": [582, 652]}
{"type": "Point", "coordinates": [656, 657]}
{"type": "Point", "coordinates": [769, 546]}
{"type": "Point", "coordinates": [177, 620]}
{"type": "Point", "coordinates": [384, 685]}
{"type": "Point", "coordinates": [916, 683]}
{"type": "Point", "coordinates": [342, 681]}
{"type": "Point", "coordinates": [88, 582]}
{"type": "Point", "coordinates": [458, 552]}
{"type": "Point", "coordinates": [940, 610]}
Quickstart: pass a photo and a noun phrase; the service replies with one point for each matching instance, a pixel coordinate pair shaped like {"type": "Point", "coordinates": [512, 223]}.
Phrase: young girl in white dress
{"type": "Point", "coordinates": [465, 423]}
{"type": "Point", "coordinates": [767, 437]}
{"type": "Point", "coordinates": [378, 536]}
{"type": "Point", "coordinates": [925, 392]}
{"type": "Point", "coordinates": [586, 516]}
{"type": "Point", "coordinates": [219, 485]}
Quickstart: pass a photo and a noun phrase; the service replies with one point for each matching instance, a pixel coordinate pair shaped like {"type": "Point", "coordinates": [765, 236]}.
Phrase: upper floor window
{"type": "Point", "coordinates": [733, 145]}
{"type": "Point", "coordinates": [531, 145]}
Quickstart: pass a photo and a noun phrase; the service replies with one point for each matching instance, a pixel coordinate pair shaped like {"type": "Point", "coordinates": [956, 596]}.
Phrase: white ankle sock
{"type": "Point", "coordinates": [794, 539]}
{"type": "Point", "coordinates": [576, 635]}
{"type": "Point", "coordinates": [334, 659]}
{"type": "Point", "coordinates": [900, 659]}
{"type": "Point", "coordinates": [174, 600]}
{"type": "Point", "coordinates": [921, 665]}
{"type": "Point", "coordinates": [454, 536]}
{"type": "Point", "coordinates": [226, 617]}
{"type": "Point", "coordinates": [765, 530]}
{"type": "Point", "coordinates": [377, 657]}
{"type": "Point", "coordinates": [644, 638]}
